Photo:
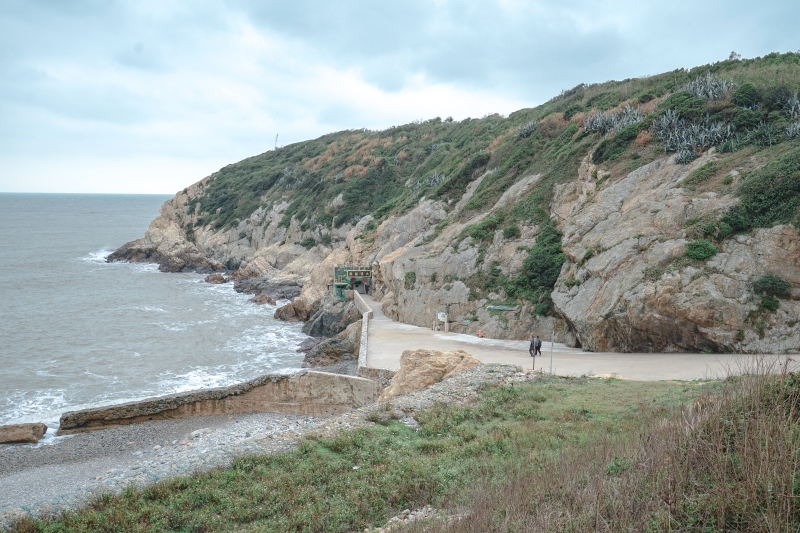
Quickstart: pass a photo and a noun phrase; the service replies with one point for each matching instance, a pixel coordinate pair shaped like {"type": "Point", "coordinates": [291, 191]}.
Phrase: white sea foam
{"type": "Point", "coordinates": [99, 256]}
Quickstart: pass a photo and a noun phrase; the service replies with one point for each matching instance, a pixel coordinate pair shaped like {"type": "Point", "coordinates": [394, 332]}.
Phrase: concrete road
{"type": "Point", "coordinates": [388, 340]}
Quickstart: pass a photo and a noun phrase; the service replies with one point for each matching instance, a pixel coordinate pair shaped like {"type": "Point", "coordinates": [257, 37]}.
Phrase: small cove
{"type": "Point", "coordinates": [76, 331]}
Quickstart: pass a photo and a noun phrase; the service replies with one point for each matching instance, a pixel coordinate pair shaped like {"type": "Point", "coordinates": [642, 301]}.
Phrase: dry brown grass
{"type": "Point", "coordinates": [729, 462]}
{"type": "Point", "coordinates": [644, 138]}
{"type": "Point", "coordinates": [355, 169]}
{"type": "Point", "coordinates": [552, 125]}
{"type": "Point", "coordinates": [497, 141]}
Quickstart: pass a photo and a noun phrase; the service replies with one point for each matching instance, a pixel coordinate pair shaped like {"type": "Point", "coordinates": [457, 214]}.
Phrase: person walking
{"type": "Point", "coordinates": [538, 346]}
{"type": "Point", "coordinates": [532, 348]}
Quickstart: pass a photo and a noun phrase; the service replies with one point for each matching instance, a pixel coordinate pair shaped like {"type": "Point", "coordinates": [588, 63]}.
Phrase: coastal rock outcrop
{"type": "Point", "coordinates": [422, 368]}
{"type": "Point", "coordinates": [341, 348]}
{"type": "Point", "coordinates": [627, 285]}
{"type": "Point", "coordinates": [22, 433]}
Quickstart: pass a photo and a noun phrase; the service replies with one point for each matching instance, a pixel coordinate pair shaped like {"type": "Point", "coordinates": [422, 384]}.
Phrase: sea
{"type": "Point", "coordinates": [77, 332]}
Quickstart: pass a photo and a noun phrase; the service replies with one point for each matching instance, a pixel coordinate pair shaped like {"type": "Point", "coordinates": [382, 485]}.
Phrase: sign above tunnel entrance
{"type": "Point", "coordinates": [347, 278]}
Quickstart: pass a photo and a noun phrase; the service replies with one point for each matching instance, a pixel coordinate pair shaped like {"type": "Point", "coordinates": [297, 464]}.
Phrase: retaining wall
{"type": "Point", "coordinates": [303, 393]}
{"type": "Point", "coordinates": [366, 316]}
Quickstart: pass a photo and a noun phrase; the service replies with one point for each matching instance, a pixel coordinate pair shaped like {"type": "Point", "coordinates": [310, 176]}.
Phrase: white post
{"type": "Point", "coordinates": [552, 340]}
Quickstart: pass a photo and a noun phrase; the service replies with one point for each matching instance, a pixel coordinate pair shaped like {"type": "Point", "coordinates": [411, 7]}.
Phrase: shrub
{"type": "Point", "coordinates": [572, 110]}
{"type": "Point", "coordinates": [772, 285]}
{"type": "Point", "coordinates": [308, 243]}
{"type": "Point", "coordinates": [746, 119]}
{"type": "Point", "coordinates": [769, 196]}
{"type": "Point", "coordinates": [484, 230]}
{"type": "Point", "coordinates": [613, 147]}
{"type": "Point", "coordinates": [700, 250]}
{"type": "Point", "coordinates": [700, 175]}
{"type": "Point", "coordinates": [686, 105]}
{"type": "Point", "coordinates": [325, 239]}
{"type": "Point", "coordinates": [770, 303]}
{"type": "Point", "coordinates": [410, 280]}
{"type": "Point", "coordinates": [540, 270]}
{"type": "Point", "coordinates": [511, 232]}
{"type": "Point", "coordinates": [747, 95]}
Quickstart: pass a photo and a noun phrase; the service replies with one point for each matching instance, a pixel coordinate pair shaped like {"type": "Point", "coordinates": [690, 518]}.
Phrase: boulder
{"type": "Point", "coordinates": [332, 318]}
{"type": "Point", "coordinates": [298, 310]}
{"type": "Point", "coordinates": [262, 299]}
{"type": "Point", "coordinates": [22, 433]}
{"type": "Point", "coordinates": [215, 278]}
{"type": "Point", "coordinates": [422, 368]}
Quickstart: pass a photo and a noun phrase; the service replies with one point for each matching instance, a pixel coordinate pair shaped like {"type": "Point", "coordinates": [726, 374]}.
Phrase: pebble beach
{"type": "Point", "coordinates": [49, 478]}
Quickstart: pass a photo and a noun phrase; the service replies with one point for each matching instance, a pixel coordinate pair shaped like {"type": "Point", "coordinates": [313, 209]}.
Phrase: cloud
{"type": "Point", "coordinates": [156, 87]}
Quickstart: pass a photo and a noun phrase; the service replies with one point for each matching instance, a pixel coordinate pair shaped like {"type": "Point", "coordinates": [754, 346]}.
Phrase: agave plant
{"type": "Point", "coordinates": [792, 106]}
{"type": "Point", "coordinates": [710, 87]}
{"type": "Point", "coordinates": [765, 134]}
{"type": "Point", "coordinates": [684, 156]}
{"type": "Point", "coordinates": [793, 130]}
{"type": "Point", "coordinates": [613, 121]}
{"type": "Point", "coordinates": [687, 138]}
{"type": "Point", "coordinates": [526, 130]}
{"type": "Point", "coordinates": [434, 180]}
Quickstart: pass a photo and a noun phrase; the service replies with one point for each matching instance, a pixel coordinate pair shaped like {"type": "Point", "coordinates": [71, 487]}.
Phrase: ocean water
{"type": "Point", "coordinates": [76, 331]}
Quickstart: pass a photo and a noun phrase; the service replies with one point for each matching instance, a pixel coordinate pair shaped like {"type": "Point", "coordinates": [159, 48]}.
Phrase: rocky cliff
{"type": "Point", "coordinates": [541, 221]}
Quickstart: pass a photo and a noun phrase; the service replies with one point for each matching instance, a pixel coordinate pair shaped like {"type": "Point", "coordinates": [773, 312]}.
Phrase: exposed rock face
{"type": "Point", "coordinates": [296, 311]}
{"type": "Point", "coordinates": [632, 297]}
{"type": "Point", "coordinates": [343, 347]}
{"type": "Point", "coordinates": [332, 318]}
{"type": "Point", "coordinates": [620, 289]}
{"type": "Point", "coordinates": [422, 368]}
{"type": "Point", "coordinates": [215, 278]}
{"type": "Point", "coordinates": [22, 433]}
{"type": "Point", "coordinates": [267, 290]}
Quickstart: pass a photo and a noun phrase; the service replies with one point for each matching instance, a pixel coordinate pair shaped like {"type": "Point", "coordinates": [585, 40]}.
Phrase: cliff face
{"type": "Point", "coordinates": [662, 201]}
{"type": "Point", "coordinates": [635, 294]}
{"type": "Point", "coordinates": [632, 292]}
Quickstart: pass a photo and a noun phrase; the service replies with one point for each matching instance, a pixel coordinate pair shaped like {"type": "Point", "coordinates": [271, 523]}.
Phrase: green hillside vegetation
{"type": "Point", "coordinates": [555, 455]}
{"type": "Point", "coordinates": [748, 109]}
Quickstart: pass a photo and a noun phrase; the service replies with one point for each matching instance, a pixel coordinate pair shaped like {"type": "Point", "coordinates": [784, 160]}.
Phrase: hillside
{"type": "Point", "coordinates": [650, 214]}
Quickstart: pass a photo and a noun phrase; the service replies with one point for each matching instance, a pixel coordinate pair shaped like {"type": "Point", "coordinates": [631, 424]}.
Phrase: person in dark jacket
{"type": "Point", "coordinates": [537, 343]}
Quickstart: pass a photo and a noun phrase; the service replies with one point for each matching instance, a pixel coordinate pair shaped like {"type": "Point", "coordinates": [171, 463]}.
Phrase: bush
{"type": "Point", "coordinates": [613, 147]}
{"type": "Point", "coordinates": [770, 303]}
{"type": "Point", "coordinates": [746, 119]}
{"type": "Point", "coordinates": [700, 175]}
{"type": "Point", "coordinates": [308, 243]}
{"type": "Point", "coordinates": [686, 105]}
{"type": "Point", "coordinates": [747, 95]}
{"type": "Point", "coordinates": [770, 196]}
{"type": "Point", "coordinates": [511, 232]}
{"type": "Point", "coordinates": [325, 239]}
{"type": "Point", "coordinates": [410, 280]}
{"type": "Point", "coordinates": [572, 110]}
{"type": "Point", "coordinates": [772, 285]}
{"type": "Point", "coordinates": [700, 250]}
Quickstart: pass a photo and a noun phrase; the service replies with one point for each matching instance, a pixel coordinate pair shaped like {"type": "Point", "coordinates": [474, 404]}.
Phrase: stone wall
{"type": "Point", "coordinates": [366, 315]}
{"type": "Point", "coordinates": [303, 393]}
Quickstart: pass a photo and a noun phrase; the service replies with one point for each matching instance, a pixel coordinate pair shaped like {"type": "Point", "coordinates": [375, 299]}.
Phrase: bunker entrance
{"type": "Point", "coordinates": [351, 278]}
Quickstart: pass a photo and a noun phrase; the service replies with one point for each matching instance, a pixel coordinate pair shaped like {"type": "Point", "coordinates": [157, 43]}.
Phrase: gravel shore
{"type": "Point", "coordinates": [63, 475]}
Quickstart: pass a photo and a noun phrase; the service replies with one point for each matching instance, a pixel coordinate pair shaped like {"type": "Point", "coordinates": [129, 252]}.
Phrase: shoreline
{"type": "Point", "coordinates": [50, 479]}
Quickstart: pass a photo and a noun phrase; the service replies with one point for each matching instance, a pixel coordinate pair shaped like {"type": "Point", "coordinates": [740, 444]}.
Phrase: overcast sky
{"type": "Point", "coordinates": [149, 96]}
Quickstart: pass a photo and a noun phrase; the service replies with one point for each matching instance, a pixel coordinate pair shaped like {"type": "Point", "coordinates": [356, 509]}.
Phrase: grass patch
{"type": "Point", "coordinates": [315, 488]}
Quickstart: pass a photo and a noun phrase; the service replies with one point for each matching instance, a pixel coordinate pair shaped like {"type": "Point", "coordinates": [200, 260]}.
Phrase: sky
{"type": "Point", "coordinates": [149, 96]}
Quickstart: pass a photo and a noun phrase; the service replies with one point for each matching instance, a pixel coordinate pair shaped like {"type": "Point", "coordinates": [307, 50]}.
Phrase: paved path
{"type": "Point", "coordinates": [388, 339]}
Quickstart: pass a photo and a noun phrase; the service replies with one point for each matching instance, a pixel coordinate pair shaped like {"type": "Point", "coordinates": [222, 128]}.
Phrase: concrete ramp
{"type": "Point", "coordinates": [302, 393]}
